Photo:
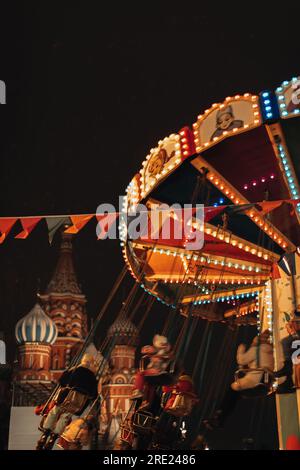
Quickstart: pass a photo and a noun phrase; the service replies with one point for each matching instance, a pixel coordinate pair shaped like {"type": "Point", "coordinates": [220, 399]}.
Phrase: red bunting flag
{"type": "Point", "coordinates": [5, 227]}
{"type": "Point", "coordinates": [78, 221]}
{"type": "Point", "coordinates": [275, 273]}
{"type": "Point", "coordinates": [28, 224]}
{"type": "Point", "coordinates": [211, 212]}
{"type": "Point", "coordinates": [294, 203]}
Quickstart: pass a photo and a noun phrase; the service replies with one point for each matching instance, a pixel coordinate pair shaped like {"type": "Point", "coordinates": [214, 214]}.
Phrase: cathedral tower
{"type": "Point", "coordinates": [124, 335]}
{"type": "Point", "coordinates": [35, 334]}
{"type": "Point", "coordinates": [65, 303]}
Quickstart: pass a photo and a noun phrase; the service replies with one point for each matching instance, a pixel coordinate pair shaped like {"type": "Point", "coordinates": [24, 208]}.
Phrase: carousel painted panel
{"type": "Point", "coordinates": [288, 95]}
{"type": "Point", "coordinates": [237, 114]}
{"type": "Point", "coordinates": [160, 162]}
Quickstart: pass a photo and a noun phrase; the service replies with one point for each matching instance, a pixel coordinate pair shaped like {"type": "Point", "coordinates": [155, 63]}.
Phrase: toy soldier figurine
{"type": "Point", "coordinates": [159, 355]}
{"type": "Point", "coordinates": [180, 397]}
{"type": "Point", "coordinates": [78, 387]}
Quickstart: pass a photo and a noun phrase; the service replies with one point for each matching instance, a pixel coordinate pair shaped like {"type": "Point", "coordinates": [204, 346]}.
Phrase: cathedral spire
{"type": "Point", "coordinates": [64, 279]}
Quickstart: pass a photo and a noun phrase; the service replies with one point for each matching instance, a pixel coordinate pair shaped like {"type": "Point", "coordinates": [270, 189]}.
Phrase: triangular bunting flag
{"type": "Point", "coordinates": [267, 206]}
{"type": "Point", "coordinates": [239, 209]}
{"type": "Point", "coordinates": [105, 222]}
{"type": "Point", "coordinates": [288, 264]}
{"type": "Point", "coordinates": [54, 223]}
{"type": "Point", "coordinates": [211, 212]}
{"type": "Point", "coordinates": [275, 273]}
{"type": "Point", "coordinates": [294, 203]}
{"type": "Point", "coordinates": [5, 227]}
{"type": "Point", "coordinates": [28, 224]}
{"type": "Point", "coordinates": [78, 221]}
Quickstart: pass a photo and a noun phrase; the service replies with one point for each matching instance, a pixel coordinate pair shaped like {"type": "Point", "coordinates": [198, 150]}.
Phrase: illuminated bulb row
{"type": "Point", "coordinates": [257, 120]}
{"type": "Point", "coordinates": [268, 305]}
{"type": "Point", "coordinates": [266, 228]}
{"type": "Point", "coordinates": [258, 315]}
{"type": "Point", "coordinates": [234, 242]}
{"type": "Point", "coordinates": [219, 183]}
{"type": "Point", "coordinates": [157, 298]}
{"type": "Point", "coordinates": [122, 223]}
{"type": "Point", "coordinates": [289, 174]}
{"type": "Point", "coordinates": [207, 260]}
{"type": "Point", "coordinates": [225, 298]}
{"type": "Point", "coordinates": [132, 198]}
{"type": "Point", "coordinates": [245, 310]}
{"type": "Point", "coordinates": [239, 282]}
{"type": "Point", "coordinates": [255, 183]}
{"type": "Point", "coordinates": [185, 144]}
{"type": "Point", "coordinates": [127, 261]}
{"type": "Point", "coordinates": [267, 105]}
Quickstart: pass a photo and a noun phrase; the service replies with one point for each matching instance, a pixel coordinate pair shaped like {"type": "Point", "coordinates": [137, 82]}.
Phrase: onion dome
{"type": "Point", "coordinates": [36, 327]}
{"type": "Point", "coordinates": [124, 331]}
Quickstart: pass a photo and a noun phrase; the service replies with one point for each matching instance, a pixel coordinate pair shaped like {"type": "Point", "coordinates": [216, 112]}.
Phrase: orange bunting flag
{"type": "Point", "coordinates": [5, 227]}
{"type": "Point", "coordinates": [268, 206]}
{"type": "Point", "coordinates": [78, 221]}
{"type": "Point", "coordinates": [105, 222]}
{"type": "Point", "coordinates": [28, 224]}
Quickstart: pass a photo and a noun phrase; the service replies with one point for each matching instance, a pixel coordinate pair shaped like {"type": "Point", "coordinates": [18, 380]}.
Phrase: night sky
{"type": "Point", "coordinates": [88, 94]}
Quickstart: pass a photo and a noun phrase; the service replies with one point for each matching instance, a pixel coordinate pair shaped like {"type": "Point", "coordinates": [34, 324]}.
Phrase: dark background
{"type": "Point", "coordinates": [89, 92]}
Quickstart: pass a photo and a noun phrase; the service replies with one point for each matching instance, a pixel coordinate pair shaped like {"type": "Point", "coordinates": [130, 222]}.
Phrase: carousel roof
{"type": "Point", "coordinates": [244, 171]}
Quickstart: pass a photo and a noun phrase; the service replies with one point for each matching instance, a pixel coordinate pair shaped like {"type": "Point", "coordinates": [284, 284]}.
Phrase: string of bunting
{"type": "Point", "coordinates": [76, 222]}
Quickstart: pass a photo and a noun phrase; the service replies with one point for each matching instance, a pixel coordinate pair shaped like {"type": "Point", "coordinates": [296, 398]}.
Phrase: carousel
{"type": "Point", "coordinates": [240, 160]}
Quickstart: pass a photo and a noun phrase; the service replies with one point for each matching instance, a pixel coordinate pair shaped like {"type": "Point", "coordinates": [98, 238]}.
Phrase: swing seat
{"type": "Point", "coordinates": [75, 402]}
{"type": "Point", "coordinates": [263, 388]}
{"type": "Point", "coordinates": [144, 422]}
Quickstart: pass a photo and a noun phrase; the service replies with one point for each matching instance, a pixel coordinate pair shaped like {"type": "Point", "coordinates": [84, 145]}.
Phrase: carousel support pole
{"type": "Point", "coordinates": [298, 403]}
{"type": "Point", "coordinates": [296, 289]}
{"type": "Point", "coordinates": [283, 302]}
{"type": "Point", "coordinates": [294, 284]}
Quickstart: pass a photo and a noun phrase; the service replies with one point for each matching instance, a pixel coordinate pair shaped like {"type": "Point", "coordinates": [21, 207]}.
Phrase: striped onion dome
{"type": "Point", "coordinates": [36, 327]}
{"type": "Point", "coordinates": [123, 331]}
